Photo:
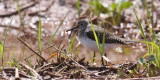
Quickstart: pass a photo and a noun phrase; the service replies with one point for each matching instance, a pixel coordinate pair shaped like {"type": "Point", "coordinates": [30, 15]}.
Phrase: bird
{"type": "Point", "coordinates": [88, 40]}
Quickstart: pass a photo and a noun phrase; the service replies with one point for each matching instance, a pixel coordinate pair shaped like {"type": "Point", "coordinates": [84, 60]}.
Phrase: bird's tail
{"type": "Point", "coordinates": [132, 42]}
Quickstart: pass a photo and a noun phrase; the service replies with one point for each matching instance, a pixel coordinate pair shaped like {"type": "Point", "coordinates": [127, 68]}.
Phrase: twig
{"type": "Point", "coordinates": [61, 69]}
{"type": "Point", "coordinates": [45, 69]}
{"type": "Point", "coordinates": [39, 69]}
{"type": "Point", "coordinates": [53, 75]}
{"type": "Point", "coordinates": [32, 49]}
{"type": "Point", "coordinates": [34, 72]}
{"type": "Point", "coordinates": [7, 71]}
{"type": "Point", "coordinates": [147, 78]}
{"type": "Point", "coordinates": [16, 12]}
{"type": "Point", "coordinates": [16, 74]}
{"type": "Point", "coordinates": [13, 27]}
{"type": "Point", "coordinates": [39, 51]}
{"type": "Point", "coordinates": [17, 28]}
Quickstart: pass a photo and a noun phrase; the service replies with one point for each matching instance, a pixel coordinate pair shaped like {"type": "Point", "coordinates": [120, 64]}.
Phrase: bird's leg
{"type": "Point", "coordinates": [102, 61]}
{"type": "Point", "coordinates": [94, 55]}
{"type": "Point", "coordinates": [105, 60]}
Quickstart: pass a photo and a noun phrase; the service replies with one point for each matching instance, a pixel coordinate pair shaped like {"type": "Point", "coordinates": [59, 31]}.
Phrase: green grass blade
{"type": "Point", "coordinates": [4, 42]}
{"type": "Point", "coordinates": [40, 36]}
{"type": "Point", "coordinates": [150, 19]}
{"type": "Point", "coordinates": [96, 38]}
{"type": "Point", "coordinates": [52, 37]}
{"type": "Point", "coordinates": [78, 6]}
{"type": "Point", "coordinates": [71, 44]}
{"type": "Point", "coordinates": [103, 43]}
{"type": "Point", "coordinates": [100, 47]}
{"type": "Point", "coordinates": [140, 26]}
{"type": "Point", "coordinates": [19, 13]}
{"type": "Point", "coordinates": [2, 52]}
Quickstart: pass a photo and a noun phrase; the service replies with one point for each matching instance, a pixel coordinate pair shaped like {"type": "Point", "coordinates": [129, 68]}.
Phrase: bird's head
{"type": "Point", "coordinates": [81, 24]}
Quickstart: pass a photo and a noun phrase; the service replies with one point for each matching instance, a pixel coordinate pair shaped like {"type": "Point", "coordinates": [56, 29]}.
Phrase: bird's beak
{"type": "Point", "coordinates": [74, 28]}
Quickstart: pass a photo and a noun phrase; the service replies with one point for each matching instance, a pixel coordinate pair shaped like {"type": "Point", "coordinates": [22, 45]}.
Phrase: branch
{"type": "Point", "coordinates": [16, 12]}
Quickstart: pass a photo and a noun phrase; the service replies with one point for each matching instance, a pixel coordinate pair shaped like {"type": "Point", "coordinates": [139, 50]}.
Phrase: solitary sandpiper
{"type": "Point", "coordinates": [87, 37]}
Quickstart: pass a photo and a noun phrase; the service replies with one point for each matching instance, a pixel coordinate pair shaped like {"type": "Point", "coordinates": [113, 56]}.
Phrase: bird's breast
{"type": "Point", "coordinates": [91, 44]}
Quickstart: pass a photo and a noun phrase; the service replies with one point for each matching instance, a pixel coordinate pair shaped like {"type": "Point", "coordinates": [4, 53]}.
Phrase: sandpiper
{"type": "Point", "coordinates": [87, 39]}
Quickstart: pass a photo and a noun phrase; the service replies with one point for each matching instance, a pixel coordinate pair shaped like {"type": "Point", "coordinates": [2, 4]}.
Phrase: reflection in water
{"type": "Point", "coordinates": [114, 56]}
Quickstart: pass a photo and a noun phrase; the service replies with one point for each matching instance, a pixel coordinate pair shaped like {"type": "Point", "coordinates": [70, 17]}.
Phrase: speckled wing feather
{"type": "Point", "coordinates": [109, 38]}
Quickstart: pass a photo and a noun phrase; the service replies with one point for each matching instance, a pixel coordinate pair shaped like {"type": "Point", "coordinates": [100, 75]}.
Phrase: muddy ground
{"type": "Point", "coordinates": [21, 58]}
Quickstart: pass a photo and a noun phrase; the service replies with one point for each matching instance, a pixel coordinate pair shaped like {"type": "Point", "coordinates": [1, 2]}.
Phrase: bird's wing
{"type": "Point", "coordinates": [109, 38]}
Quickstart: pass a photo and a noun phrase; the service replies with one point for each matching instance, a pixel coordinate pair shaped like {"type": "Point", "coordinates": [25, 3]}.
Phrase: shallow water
{"type": "Point", "coordinates": [14, 48]}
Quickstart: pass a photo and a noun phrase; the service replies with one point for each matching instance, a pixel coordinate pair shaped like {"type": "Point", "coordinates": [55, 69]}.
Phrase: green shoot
{"type": "Point", "coordinates": [114, 10]}
{"type": "Point", "coordinates": [95, 36]}
{"type": "Point", "coordinates": [103, 43]}
{"type": "Point", "coordinates": [52, 37]}
{"type": "Point", "coordinates": [100, 46]}
{"type": "Point", "coordinates": [12, 63]}
{"type": "Point", "coordinates": [19, 12]}
{"type": "Point", "coordinates": [141, 27]}
{"type": "Point", "coordinates": [40, 36]}
{"type": "Point", "coordinates": [3, 44]}
{"type": "Point", "coordinates": [117, 8]}
{"type": "Point", "coordinates": [2, 52]}
{"type": "Point", "coordinates": [78, 6]}
{"type": "Point", "coordinates": [149, 20]}
{"type": "Point", "coordinates": [97, 7]}
{"type": "Point", "coordinates": [71, 44]}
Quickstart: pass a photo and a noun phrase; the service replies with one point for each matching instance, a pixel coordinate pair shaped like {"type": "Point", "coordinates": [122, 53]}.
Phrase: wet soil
{"type": "Point", "coordinates": [24, 26]}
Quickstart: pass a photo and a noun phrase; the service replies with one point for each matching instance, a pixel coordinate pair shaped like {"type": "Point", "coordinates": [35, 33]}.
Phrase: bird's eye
{"type": "Point", "coordinates": [81, 24]}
